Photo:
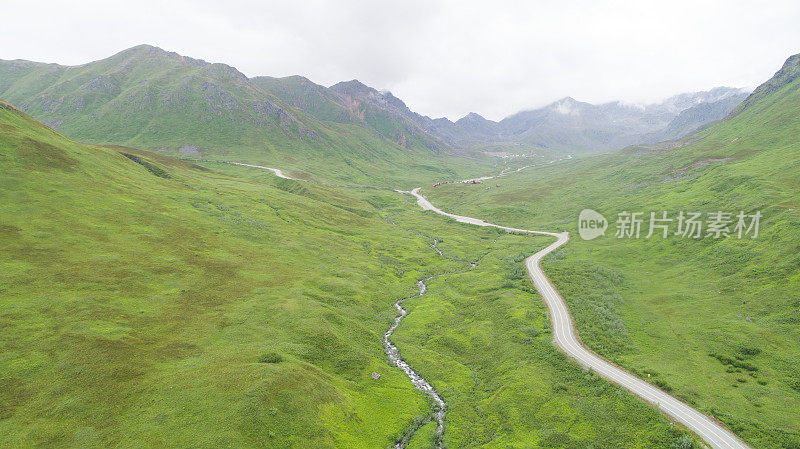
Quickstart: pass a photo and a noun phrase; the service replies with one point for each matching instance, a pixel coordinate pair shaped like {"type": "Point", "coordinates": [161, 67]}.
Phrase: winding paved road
{"type": "Point", "coordinates": [717, 436]}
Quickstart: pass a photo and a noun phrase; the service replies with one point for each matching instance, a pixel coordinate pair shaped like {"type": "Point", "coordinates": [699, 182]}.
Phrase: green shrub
{"type": "Point", "coordinates": [270, 357]}
{"type": "Point", "coordinates": [154, 169]}
{"type": "Point", "coordinates": [684, 442]}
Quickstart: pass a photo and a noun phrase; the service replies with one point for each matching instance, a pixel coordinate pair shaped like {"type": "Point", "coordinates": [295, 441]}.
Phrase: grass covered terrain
{"type": "Point", "coordinates": [151, 302]}
{"type": "Point", "coordinates": [191, 310]}
{"type": "Point", "coordinates": [715, 321]}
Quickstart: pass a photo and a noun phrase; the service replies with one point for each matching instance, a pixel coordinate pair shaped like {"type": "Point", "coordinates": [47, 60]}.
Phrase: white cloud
{"type": "Point", "coordinates": [564, 107]}
{"type": "Point", "coordinates": [442, 57]}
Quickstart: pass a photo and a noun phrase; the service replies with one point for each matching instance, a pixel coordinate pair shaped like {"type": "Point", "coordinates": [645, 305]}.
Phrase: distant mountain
{"type": "Point", "coordinates": [571, 125]}
{"type": "Point", "coordinates": [470, 128]}
{"type": "Point", "coordinates": [155, 99]}
{"type": "Point", "coordinates": [356, 103]}
{"type": "Point", "coordinates": [698, 117]}
{"type": "Point", "coordinates": [388, 115]}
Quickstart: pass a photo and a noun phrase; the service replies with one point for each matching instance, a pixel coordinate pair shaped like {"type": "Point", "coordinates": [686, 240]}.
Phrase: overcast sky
{"type": "Point", "coordinates": [443, 58]}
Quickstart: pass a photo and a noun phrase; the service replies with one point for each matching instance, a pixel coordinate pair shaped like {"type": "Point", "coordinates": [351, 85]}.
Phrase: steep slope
{"type": "Point", "coordinates": [786, 75]}
{"type": "Point", "coordinates": [355, 102]}
{"type": "Point", "coordinates": [572, 125]}
{"type": "Point", "coordinates": [714, 320]}
{"type": "Point", "coordinates": [303, 94]}
{"type": "Point", "coordinates": [388, 115]}
{"type": "Point", "coordinates": [470, 129]}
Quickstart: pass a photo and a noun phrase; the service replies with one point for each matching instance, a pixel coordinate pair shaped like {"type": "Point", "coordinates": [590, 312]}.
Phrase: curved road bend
{"type": "Point", "coordinates": [717, 436]}
{"type": "Point", "coordinates": [278, 172]}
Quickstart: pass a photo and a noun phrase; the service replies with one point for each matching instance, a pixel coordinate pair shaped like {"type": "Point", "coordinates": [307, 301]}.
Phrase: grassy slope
{"type": "Point", "coordinates": [139, 316]}
{"type": "Point", "coordinates": [663, 306]}
{"type": "Point", "coordinates": [355, 112]}
{"type": "Point", "coordinates": [302, 93]}
{"type": "Point", "coordinates": [166, 304]}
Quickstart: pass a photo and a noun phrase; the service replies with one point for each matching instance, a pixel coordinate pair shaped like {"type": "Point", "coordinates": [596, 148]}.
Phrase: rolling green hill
{"type": "Point", "coordinates": [150, 302]}
{"type": "Point", "coordinates": [715, 321]}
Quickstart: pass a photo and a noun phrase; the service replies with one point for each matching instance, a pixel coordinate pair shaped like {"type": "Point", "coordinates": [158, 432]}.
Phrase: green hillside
{"type": "Point", "coordinates": [715, 321]}
{"type": "Point", "coordinates": [303, 94]}
{"type": "Point", "coordinates": [355, 102]}
{"type": "Point", "coordinates": [145, 95]}
{"type": "Point", "coordinates": [152, 302]}
{"type": "Point", "coordinates": [158, 100]}
{"type": "Point", "coordinates": [158, 303]}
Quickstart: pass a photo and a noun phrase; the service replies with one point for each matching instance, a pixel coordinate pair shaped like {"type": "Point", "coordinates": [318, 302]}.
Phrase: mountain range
{"type": "Point", "coordinates": [160, 100]}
